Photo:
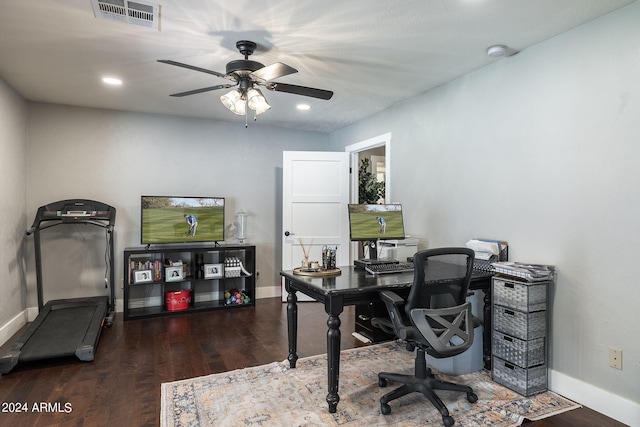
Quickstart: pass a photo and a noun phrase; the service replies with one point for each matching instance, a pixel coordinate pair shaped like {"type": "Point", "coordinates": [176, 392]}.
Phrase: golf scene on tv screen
{"type": "Point", "coordinates": [372, 222]}
{"type": "Point", "coordinates": [168, 219]}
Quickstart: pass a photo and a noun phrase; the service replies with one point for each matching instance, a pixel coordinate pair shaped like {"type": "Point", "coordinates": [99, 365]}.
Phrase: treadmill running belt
{"type": "Point", "coordinates": [60, 335]}
{"type": "Point", "coordinates": [67, 327]}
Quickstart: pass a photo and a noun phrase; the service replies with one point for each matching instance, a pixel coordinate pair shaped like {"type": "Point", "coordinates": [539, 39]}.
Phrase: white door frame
{"type": "Point", "coordinates": [353, 150]}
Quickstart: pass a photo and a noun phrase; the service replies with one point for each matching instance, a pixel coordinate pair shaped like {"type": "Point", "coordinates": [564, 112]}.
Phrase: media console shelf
{"type": "Point", "coordinates": [186, 279]}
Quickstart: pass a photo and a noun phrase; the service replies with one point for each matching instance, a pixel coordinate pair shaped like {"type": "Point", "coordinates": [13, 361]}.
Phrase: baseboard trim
{"type": "Point", "coordinates": [267, 292]}
{"type": "Point", "coordinates": [603, 401]}
{"type": "Point", "coordinates": [10, 328]}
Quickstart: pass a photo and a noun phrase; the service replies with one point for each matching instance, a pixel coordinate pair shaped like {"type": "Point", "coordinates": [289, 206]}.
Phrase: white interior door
{"type": "Point", "coordinates": [315, 194]}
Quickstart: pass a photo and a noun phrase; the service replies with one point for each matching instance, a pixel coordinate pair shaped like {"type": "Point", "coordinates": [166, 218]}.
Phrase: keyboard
{"type": "Point", "coordinates": [389, 268]}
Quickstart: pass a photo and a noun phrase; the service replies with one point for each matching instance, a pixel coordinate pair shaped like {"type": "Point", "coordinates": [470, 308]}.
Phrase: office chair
{"type": "Point", "coordinates": [436, 320]}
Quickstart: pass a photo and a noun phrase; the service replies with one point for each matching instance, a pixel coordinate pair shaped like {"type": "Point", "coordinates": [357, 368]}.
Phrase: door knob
{"type": "Point", "coordinates": [286, 233]}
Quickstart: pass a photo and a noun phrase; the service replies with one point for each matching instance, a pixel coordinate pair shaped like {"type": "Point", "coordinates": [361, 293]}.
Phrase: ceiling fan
{"type": "Point", "coordinates": [247, 75]}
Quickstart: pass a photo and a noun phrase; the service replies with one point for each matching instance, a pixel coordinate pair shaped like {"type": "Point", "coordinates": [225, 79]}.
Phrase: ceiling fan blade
{"type": "Point", "coordinates": [273, 71]}
{"type": "Point", "coordinates": [300, 90]}
{"type": "Point", "coordinates": [204, 89]}
{"type": "Point", "coordinates": [192, 67]}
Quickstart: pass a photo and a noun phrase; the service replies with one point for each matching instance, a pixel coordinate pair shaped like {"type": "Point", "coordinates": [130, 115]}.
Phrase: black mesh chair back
{"type": "Point", "coordinates": [436, 283]}
{"type": "Point", "coordinates": [441, 280]}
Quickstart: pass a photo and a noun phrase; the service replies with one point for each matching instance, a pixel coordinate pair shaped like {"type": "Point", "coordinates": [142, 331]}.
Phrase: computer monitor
{"type": "Point", "coordinates": [370, 223]}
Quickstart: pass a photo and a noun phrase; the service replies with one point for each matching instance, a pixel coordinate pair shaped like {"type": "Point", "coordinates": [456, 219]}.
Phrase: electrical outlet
{"type": "Point", "coordinates": [615, 358]}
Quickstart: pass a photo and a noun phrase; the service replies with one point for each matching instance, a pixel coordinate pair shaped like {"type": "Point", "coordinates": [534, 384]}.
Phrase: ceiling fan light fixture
{"type": "Point", "coordinates": [234, 102]}
{"type": "Point", "coordinates": [256, 101]}
{"type": "Point", "coordinates": [247, 74]}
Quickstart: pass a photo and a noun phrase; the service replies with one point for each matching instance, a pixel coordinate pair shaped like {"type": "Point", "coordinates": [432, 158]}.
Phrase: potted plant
{"type": "Point", "coordinates": [370, 190]}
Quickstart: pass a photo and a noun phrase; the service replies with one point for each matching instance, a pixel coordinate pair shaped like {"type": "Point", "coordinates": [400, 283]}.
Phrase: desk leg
{"type": "Point", "coordinates": [292, 324]}
{"type": "Point", "coordinates": [334, 308]}
{"type": "Point", "coordinates": [486, 332]}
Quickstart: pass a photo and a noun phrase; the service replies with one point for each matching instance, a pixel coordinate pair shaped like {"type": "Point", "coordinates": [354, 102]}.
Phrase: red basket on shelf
{"type": "Point", "coordinates": [177, 300]}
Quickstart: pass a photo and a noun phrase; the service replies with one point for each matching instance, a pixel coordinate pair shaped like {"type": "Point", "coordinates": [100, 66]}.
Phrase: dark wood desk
{"type": "Point", "coordinates": [352, 287]}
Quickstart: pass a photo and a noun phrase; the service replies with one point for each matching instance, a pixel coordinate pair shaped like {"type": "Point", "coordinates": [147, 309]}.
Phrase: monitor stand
{"type": "Point", "coordinates": [373, 257]}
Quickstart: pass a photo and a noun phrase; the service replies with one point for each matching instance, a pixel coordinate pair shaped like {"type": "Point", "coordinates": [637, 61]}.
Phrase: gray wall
{"type": "Point", "coordinates": [115, 157]}
{"type": "Point", "coordinates": [540, 149]}
{"type": "Point", "coordinates": [13, 139]}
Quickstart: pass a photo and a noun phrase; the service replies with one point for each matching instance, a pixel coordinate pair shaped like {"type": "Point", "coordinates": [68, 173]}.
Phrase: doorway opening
{"type": "Point", "coordinates": [371, 176]}
{"type": "Point", "coordinates": [377, 151]}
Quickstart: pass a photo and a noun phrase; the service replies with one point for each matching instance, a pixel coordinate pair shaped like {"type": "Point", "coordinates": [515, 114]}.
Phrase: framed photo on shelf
{"type": "Point", "coordinates": [213, 271]}
{"type": "Point", "coordinates": [173, 274]}
{"type": "Point", "coordinates": [142, 276]}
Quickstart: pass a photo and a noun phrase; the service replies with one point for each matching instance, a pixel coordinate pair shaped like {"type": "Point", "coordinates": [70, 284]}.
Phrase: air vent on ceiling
{"type": "Point", "coordinates": [131, 12]}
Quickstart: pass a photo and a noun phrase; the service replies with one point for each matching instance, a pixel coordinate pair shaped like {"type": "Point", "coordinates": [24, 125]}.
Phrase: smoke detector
{"type": "Point", "coordinates": [497, 51]}
{"type": "Point", "coordinates": [131, 12]}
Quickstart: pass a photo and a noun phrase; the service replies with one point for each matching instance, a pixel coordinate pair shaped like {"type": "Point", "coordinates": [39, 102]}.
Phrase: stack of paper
{"type": "Point", "coordinates": [484, 249]}
{"type": "Point", "coordinates": [530, 272]}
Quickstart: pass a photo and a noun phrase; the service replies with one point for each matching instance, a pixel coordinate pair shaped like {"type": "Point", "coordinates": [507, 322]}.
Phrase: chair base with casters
{"type": "Point", "coordinates": [422, 382]}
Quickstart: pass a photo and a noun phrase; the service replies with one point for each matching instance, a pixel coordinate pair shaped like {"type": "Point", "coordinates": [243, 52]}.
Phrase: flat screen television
{"type": "Point", "coordinates": [171, 219]}
{"type": "Point", "coordinates": [368, 222]}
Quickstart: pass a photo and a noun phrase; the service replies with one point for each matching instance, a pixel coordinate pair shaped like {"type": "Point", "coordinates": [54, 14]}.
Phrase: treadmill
{"type": "Point", "coordinates": [66, 327]}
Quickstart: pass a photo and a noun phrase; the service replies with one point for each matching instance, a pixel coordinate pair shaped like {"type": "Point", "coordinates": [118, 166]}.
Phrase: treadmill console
{"type": "Point", "coordinates": [74, 215]}
{"type": "Point", "coordinates": [76, 210]}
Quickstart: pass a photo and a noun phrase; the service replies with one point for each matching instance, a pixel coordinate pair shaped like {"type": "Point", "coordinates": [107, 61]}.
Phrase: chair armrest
{"type": "Point", "coordinates": [391, 297]}
{"type": "Point", "coordinates": [391, 301]}
{"type": "Point", "coordinates": [394, 302]}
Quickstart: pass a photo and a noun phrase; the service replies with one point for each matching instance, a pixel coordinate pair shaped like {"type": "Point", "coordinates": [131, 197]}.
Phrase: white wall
{"type": "Point", "coordinates": [115, 157]}
{"type": "Point", "coordinates": [13, 138]}
{"type": "Point", "coordinates": [540, 149]}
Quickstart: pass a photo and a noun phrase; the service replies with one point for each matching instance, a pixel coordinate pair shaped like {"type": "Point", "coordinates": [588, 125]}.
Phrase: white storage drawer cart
{"type": "Point", "coordinates": [520, 330]}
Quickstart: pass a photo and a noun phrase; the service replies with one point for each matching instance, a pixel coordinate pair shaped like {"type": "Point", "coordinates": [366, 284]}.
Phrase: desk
{"type": "Point", "coordinates": [353, 286]}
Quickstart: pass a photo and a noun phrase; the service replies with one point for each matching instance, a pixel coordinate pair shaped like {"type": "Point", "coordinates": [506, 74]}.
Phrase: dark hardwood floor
{"type": "Point", "coordinates": [121, 387]}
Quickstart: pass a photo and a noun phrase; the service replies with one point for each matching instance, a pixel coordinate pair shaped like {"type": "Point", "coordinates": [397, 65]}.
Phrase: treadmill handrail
{"type": "Point", "coordinates": [86, 221]}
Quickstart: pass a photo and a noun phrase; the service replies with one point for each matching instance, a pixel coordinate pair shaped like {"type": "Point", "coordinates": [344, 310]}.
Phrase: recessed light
{"type": "Point", "coordinates": [303, 107]}
{"type": "Point", "coordinates": [113, 81]}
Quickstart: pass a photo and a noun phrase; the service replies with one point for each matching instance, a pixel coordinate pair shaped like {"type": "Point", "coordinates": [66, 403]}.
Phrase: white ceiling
{"type": "Point", "coordinates": [371, 53]}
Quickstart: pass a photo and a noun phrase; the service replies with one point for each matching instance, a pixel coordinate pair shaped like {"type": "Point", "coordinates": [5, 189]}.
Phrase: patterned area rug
{"type": "Point", "coordinates": [275, 395]}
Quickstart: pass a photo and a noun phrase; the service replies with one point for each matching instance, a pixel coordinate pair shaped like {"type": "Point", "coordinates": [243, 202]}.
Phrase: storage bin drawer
{"type": "Point", "coordinates": [526, 326]}
{"type": "Point", "coordinates": [523, 296]}
{"type": "Point", "coordinates": [526, 381]}
{"type": "Point", "coordinates": [520, 352]}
